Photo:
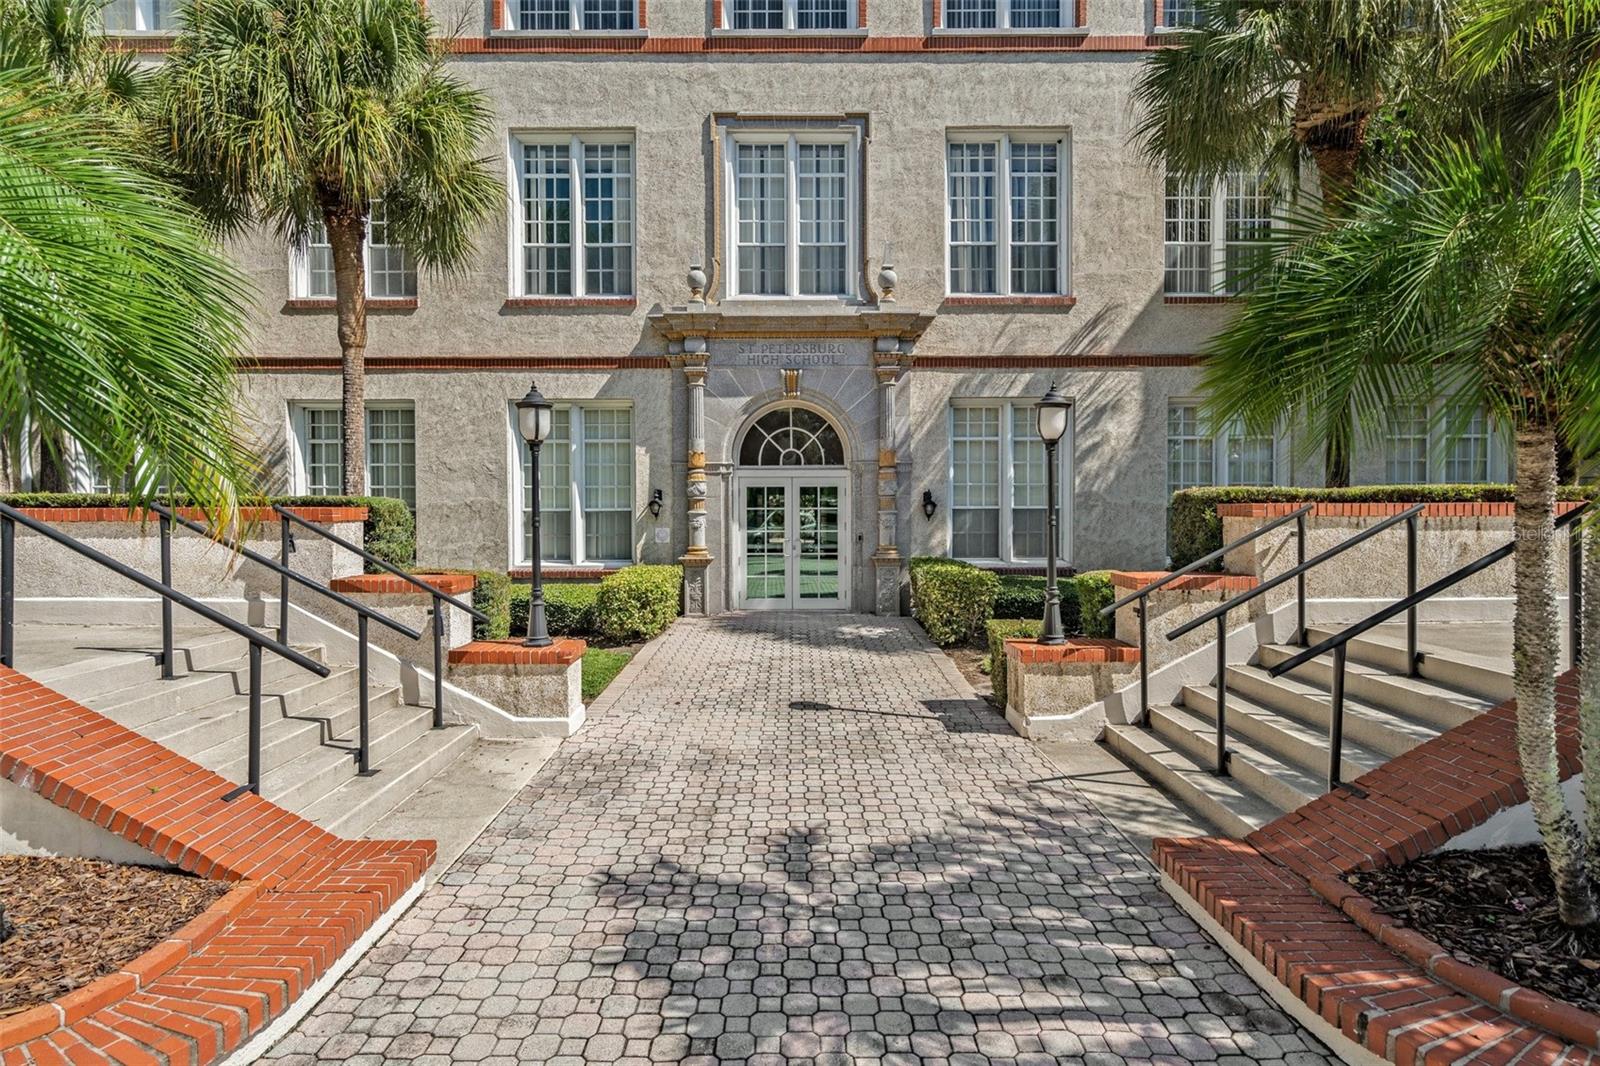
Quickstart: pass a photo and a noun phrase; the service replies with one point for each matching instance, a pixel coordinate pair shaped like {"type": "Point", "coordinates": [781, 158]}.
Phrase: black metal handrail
{"type": "Point", "coordinates": [1337, 643]}
{"type": "Point", "coordinates": [440, 597]}
{"type": "Point", "coordinates": [1219, 613]}
{"type": "Point", "coordinates": [1297, 516]}
{"type": "Point", "coordinates": [285, 575]}
{"type": "Point", "coordinates": [10, 517]}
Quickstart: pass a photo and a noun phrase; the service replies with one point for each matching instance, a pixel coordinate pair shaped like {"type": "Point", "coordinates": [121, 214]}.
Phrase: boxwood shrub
{"type": "Point", "coordinates": [1000, 630]}
{"type": "Point", "coordinates": [951, 599]}
{"type": "Point", "coordinates": [1194, 529]}
{"type": "Point", "coordinates": [569, 607]}
{"type": "Point", "coordinates": [638, 602]}
{"type": "Point", "coordinates": [1022, 596]}
{"type": "Point", "coordinates": [1095, 594]}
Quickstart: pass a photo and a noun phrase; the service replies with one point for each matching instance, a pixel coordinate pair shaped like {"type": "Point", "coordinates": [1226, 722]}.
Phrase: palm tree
{"type": "Point", "coordinates": [293, 113]}
{"type": "Point", "coordinates": [119, 321]}
{"type": "Point", "coordinates": [1472, 271]}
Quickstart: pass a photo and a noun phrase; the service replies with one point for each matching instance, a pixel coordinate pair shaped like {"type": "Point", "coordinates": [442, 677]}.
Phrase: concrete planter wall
{"type": "Point", "coordinates": [540, 690]}
{"type": "Point", "coordinates": [1172, 605]}
{"type": "Point", "coordinates": [402, 602]}
{"type": "Point", "coordinates": [1048, 687]}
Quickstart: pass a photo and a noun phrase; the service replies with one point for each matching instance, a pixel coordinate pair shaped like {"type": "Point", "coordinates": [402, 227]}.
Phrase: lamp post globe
{"type": "Point", "coordinates": [533, 422]}
{"type": "Point", "coordinates": [1052, 411]}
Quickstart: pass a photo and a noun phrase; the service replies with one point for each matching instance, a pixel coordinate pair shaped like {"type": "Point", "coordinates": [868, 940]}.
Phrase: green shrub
{"type": "Point", "coordinates": [568, 607]}
{"type": "Point", "coordinates": [951, 599]}
{"type": "Point", "coordinates": [1000, 630]}
{"type": "Point", "coordinates": [1194, 529]}
{"type": "Point", "coordinates": [492, 596]}
{"type": "Point", "coordinates": [638, 602]}
{"type": "Point", "coordinates": [1022, 596]}
{"type": "Point", "coordinates": [1094, 593]}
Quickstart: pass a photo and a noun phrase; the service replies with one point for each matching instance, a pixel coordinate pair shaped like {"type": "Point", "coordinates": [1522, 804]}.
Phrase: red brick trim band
{"type": "Point", "coordinates": [1138, 579]}
{"type": "Point", "coordinates": [512, 652]}
{"type": "Point", "coordinates": [898, 45]}
{"type": "Point", "coordinates": [1457, 509]}
{"type": "Point", "coordinates": [400, 364]}
{"type": "Point", "coordinates": [382, 303]}
{"type": "Point", "coordinates": [1062, 362]}
{"type": "Point", "coordinates": [305, 895]}
{"type": "Point", "coordinates": [1075, 650]}
{"type": "Point", "coordinates": [320, 515]}
{"type": "Point", "coordinates": [1180, 300]}
{"type": "Point", "coordinates": [1000, 303]}
{"type": "Point", "coordinates": [383, 584]}
{"type": "Point", "coordinates": [1281, 894]}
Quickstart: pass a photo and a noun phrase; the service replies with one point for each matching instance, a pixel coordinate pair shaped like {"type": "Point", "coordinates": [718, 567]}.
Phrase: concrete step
{"type": "Point", "coordinates": [1217, 800]}
{"type": "Point", "coordinates": [352, 807]}
{"type": "Point", "coordinates": [102, 671]}
{"type": "Point", "coordinates": [1282, 784]}
{"type": "Point", "coordinates": [192, 731]}
{"type": "Point", "coordinates": [1281, 735]}
{"type": "Point", "coordinates": [153, 700]}
{"type": "Point", "coordinates": [1367, 724]}
{"type": "Point", "coordinates": [1487, 677]}
{"type": "Point", "coordinates": [1423, 699]}
{"type": "Point", "coordinates": [299, 783]}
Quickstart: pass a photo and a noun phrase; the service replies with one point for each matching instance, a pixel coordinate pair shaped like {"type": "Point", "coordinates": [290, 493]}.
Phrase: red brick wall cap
{"type": "Point", "coordinates": [1075, 650]}
{"type": "Point", "coordinates": [450, 584]}
{"type": "Point", "coordinates": [512, 652]}
{"type": "Point", "coordinates": [1443, 509]}
{"type": "Point", "coordinates": [1138, 579]}
{"type": "Point", "coordinates": [320, 515]}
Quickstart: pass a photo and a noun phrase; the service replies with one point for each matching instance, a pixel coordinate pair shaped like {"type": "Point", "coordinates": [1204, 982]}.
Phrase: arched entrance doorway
{"type": "Point", "coordinates": [792, 513]}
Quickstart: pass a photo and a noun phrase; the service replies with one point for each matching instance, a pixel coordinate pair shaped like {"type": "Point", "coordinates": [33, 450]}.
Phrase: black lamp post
{"type": "Point", "coordinates": [1052, 412]}
{"type": "Point", "coordinates": [533, 422]}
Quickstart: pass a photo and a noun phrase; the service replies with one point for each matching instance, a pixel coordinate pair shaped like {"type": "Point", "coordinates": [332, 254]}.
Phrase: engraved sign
{"type": "Point", "coordinates": [795, 355]}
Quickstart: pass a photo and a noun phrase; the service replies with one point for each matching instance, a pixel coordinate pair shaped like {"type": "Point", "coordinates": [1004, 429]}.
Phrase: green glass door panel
{"type": "Point", "coordinates": [817, 525]}
{"type": "Point", "coordinates": [766, 543]}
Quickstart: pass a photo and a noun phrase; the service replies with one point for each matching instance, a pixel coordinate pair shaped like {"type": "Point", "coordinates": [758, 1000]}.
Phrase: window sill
{"type": "Point", "coordinates": [556, 303]}
{"type": "Point", "coordinates": [385, 303]}
{"type": "Point", "coordinates": [1001, 303]}
{"type": "Point", "coordinates": [1211, 299]}
{"type": "Point", "coordinates": [1039, 31]}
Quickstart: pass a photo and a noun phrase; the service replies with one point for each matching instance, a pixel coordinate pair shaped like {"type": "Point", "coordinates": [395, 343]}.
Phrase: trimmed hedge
{"type": "Point", "coordinates": [1194, 529]}
{"type": "Point", "coordinates": [569, 607]}
{"type": "Point", "coordinates": [1095, 594]}
{"type": "Point", "coordinates": [951, 599]}
{"type": "Point", "coordinates": [1022, 596]}
{"type": "Point", "coordinates": [492, 596]}
{"type": "Point", "coordinates": [638, 602]}
{"type": "Point", "coordinates": [390, 531]}
{"type": "Point", "coordinates": [1000, 630]}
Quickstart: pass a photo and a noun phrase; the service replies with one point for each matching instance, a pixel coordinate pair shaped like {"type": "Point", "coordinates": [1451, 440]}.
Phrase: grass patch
{"type": "Point", "coordinates": [600, 666]}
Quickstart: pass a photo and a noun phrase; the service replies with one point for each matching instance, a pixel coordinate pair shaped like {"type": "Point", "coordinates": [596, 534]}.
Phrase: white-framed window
{"type": "Point", "coordinates": [1007, 211]}
{"type": "Point", "coordinates": [1007, 14]}
{"type": "Point", "coordinates": [391, 274]}
{"type": "Point", "coordinates": [998, 502]}
{"type": "Point", "coordinates": [140, 16]}
{"type": "Point", "coordinates": [565, 15]}
{"type": "Point", "coordinates": [585, 487]}
{"type": "Point", "coordinates": [789, 14]}
{"type": "Point", "coordinates": [574, 215]}
{"type": "Point", "coordinates": [1217, 234]}
{"type": "Point", "coordinates": [1198, 457]}
{"type": "Point", "coordinates": [792, 212]}
{"type": "Point", "coordinates": [1178, 14]}
{"type": "Point", "coordinates": [1416, 451]}
{"type": "Point", "coordinates": [391, 450]}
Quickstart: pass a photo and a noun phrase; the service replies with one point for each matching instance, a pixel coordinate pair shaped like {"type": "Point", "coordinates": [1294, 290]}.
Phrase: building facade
{"type": "Point", "coordinates": [794, 271]}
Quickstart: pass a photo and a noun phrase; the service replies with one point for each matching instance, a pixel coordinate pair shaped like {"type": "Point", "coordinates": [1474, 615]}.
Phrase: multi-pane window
{"type": "Point", "coordinates": [585, 487]}
{"type": "Point", "coordinates": [1007, 208]}
{"type": "Point", "coordinates": [140, 16]}
{"type": "Point", "coordinates": [391, 451]}
{"type": "Point", "coordinates": [998, 483]}
{"type": "Point", "coordinates": [1007, 14]}
{"type": "Point", "coordinates": [1204, 258]}
{"type": "Point", "coordinates": [564, 15]}
{"type": "Point", "coordinates": [1197, 456]}
{"type": "Point", "coordinates": [1179, 14]}
{"type": "Point", "coordinates": [584, 178]}
{"type": "Point", "coordinates": [1452, 446]}
{"type": "Point", "coordinates": [789, 14]}
{"type": "Point", "coordinates": [774, 179]}
{"type": "Point", "coordinates": [1405, 453]}
{"type": "Point", "coordinates": [390, 271]}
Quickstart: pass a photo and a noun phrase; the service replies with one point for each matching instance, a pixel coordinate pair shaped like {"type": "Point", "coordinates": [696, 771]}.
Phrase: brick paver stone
{"type": "Point", "coordinates": [798, 838]}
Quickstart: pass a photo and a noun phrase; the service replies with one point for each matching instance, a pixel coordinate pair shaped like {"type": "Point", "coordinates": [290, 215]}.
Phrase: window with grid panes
{"type": "Point", "coordinates": [789, 14]}
{"type": "Point", "coordinates": [391, 451]}
{"type": "Point", "coordinates": [139, 16]}
{"type": "Point", "coordinates": [1205, 259]}
{"type": "Point", "coordinates": [324, 451]}
{"type": "Point", "coordinates": [1006, 14]}
{"type": "Point", "coordinates": [1011, 244]}
{"type": "Point", "coordinates": [563, 15]}
{"type": "Point", "coordinates": [774, 180]}
{"type": "Point", "coordinates": [998, 483]}
{"type": "Point", "coordinates": [1440, 444]}
{"type": "Point", "coordinates": [1466, 457]}
{"type": "Point", "coordinates": [391, 274]}
{"type": "Point", "coordinates": [590, 180]}
{"type": "Point", "coordinates": [1405, 454]}
{"type": "Point", "coordinates": [1178, 14]}
{"type": "Point", "coordinates": [585, 487]}
{"type": "Point", "coordinates": [1198, 458]}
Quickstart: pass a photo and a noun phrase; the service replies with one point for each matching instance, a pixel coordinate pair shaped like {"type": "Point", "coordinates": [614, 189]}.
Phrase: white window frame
{"type": "Point", "coordinates": [791, 19]}
{"type": "Point", "coordinates": [1497, 469]}
{"type": "Point", "coordinates": [517, 451]}
{"type": "Point", "coordinates": [574, 19]}
{"type": "Point", "coordinates": [300, 269]}
{"type": "Point", "coordinates": [1219, 437]}
{"type": "Point", "coordinates": [848, 136]}
{"type": "Point", "coordinates": [1068, 15]}
{"type": "Point", "coordinates": [1218, 242]}
{"type": "Point", "coordinates": [299, 477]}
{"type": "Point", "coordinates": [143, 16]}
{"type": "Point", "coordinates": [1169, 24]}
{"type": "Point", "coordinates": [575, 140]}
{"type": "Point", "coordinates": [1064, 473]}
{"type": "Point", "coordinates": [1062, 139]}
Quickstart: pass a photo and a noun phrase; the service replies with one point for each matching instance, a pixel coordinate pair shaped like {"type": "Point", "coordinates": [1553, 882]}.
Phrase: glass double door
{"type": "Point", "coordinates": [794, 542]}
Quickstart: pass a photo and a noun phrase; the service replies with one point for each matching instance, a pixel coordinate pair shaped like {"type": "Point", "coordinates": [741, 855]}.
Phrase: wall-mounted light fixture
{"type": "Point", "coordinates": [929, 504]}
{"type": "Point", "coordinates": [655, 504]}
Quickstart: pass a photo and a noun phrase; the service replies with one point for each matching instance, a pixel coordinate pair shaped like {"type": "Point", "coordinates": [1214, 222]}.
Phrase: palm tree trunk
{"type": "Point", "coordinates": [1589, 699]}
{"type": "Point", "coordinates": [347, 233]}
{"type": "Point", "coordinates": [1534, 644]}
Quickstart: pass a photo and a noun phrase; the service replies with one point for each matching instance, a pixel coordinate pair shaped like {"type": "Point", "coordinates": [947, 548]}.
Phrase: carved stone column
{"type": "Point", "coordinates": [697, 559]}
{"type": "Point", "coordinates": [886, 558]}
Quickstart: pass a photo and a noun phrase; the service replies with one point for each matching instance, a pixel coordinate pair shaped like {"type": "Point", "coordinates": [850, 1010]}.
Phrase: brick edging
{"type": "Point", "coordinates": [1383, 509]}
{"type": "Point", "coordinates": [1138, 579]}
{"type": "Point", "coordinates": [321, 515]}
{"type": "Point", "coordinates": [564, 651]}
{"type": "Point", "coordinates": [389, 584]}
{"type": "Point", "coordinates": [1075, 650]}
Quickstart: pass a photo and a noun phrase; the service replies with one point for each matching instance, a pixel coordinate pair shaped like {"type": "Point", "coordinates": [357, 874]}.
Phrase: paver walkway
{"type": "Point", "coordinates": [797, 838]}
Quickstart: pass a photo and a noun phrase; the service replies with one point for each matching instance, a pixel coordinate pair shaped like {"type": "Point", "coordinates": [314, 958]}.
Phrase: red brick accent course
{"type": "Point", "coordinates": [1075, 650]}
{"type": "Point", "coordinates": [320, 515]}
{"type": "Point", "coordinates": [512, 652]}
{"type": "Point", "coordinates": [449, 584]}
{"type": "Point", "coordinates": [1456, 509]}
{"type": "Point", "coordinates": [304, 895]}
{"type": "Point", "coordinates": [1281, 894]}
{"type": "Point", "coordinates": [1138, 579]}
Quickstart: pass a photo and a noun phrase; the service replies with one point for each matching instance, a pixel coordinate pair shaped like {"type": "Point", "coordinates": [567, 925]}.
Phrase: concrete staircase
{"type": "Point", "coordinates": [1278, 727]}
{"type": "Point", "coordinates": [309, 724]}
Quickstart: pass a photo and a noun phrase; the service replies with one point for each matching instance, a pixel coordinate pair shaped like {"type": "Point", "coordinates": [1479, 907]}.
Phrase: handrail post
{"type": "Point", "coordinates": [1222, 696]}
{"type": "Point", "coordinates": [1301, 636]}
{"type": "Point", "coordinates": [255, 720]}
{"type": "Point", "coordinates": [363, 749]}
{"type": "Point", "coordinates": [8, 591]}
{"type": "Point", "coordinates": [1143, 608]}
{"type": "Point", "coordinates": [285, 546]}
{"type": "Point", "coordinates": [1411, 590]}
{"type": "Point", "coordinates": [167, 672]}
{"type": "Point", "coordinates": [438, 662]}
{"type": "Point", "coordinates": [1336, 721]}
{"type": "Point", "coordinates": [1575, 595]}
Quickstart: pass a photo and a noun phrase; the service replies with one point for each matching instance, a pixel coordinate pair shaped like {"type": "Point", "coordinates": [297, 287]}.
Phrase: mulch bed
{"type": "Point", "coordinates": [73, 920]}
{"type": "Point", "coordinates": [969, 660]}
{"type": "Point", "coordinates": [1495, 908]}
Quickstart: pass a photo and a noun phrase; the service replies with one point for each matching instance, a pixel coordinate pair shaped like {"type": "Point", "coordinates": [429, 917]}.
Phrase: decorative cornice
{"type": "Point", "coordinates": [705, 321]}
